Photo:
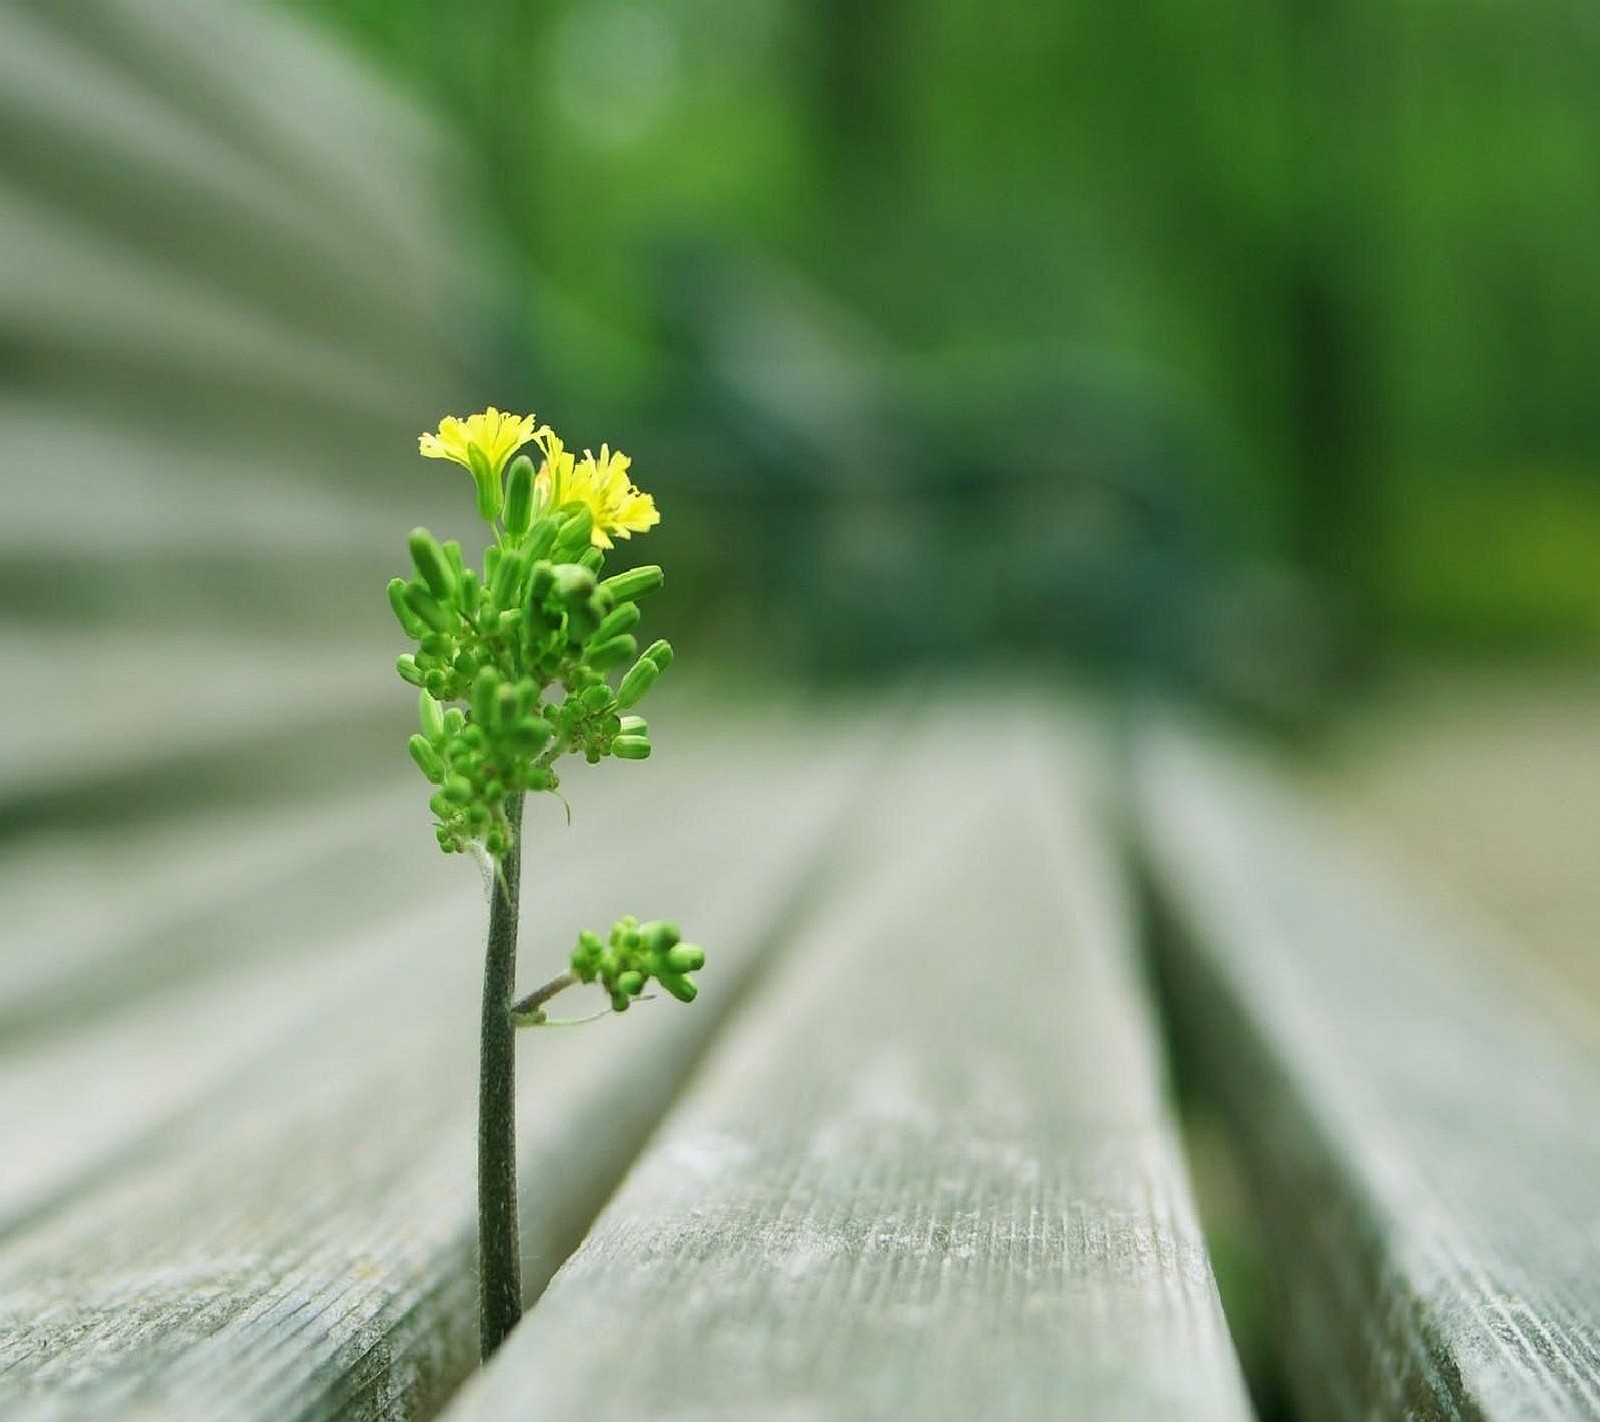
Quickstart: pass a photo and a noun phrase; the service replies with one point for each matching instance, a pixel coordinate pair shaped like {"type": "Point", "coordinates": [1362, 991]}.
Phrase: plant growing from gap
{"type": "Point", "coordinates": [514, 664]}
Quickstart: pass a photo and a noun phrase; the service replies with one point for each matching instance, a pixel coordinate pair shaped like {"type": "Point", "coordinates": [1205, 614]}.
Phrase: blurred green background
{"type": "Point", "coordinates": [1252, 342]}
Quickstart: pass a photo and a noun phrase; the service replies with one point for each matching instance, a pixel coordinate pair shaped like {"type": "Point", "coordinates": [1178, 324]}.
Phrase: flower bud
{"type": "Point", "coordinates": [641, 676]}
{"type": "Point", "coordinates": [631, 748]}
{"type": "Point", "coordinates": [575, 528]}
{"type": "Point", "coordinates": [431, 714]}
{"type": "Point", "coordinates": [504, 710]}
{"type": "Point", "coordinates": [686, 958]}
{"type": "Point", "coordinates": [659, 933]}
{"type": "Point", "coordinates": [631, 983]}
{"type": "Point", "coordinates": [485, 687]}
{"type": "Point", "coordinates": [426, 757]}
{"type": "Point", "coordinates": [409, 622]}
{"type": "Point", "coordinates": [421, 603]}
{"type": "Point", "coordinates": [487, 478]}
{"type": "Point", "coordinates": [683, 989]}
{"type": "Point", "coordinates": [573, 582]}
{"type": "Point", "coordinates": [432, 565]}
{"type": "Point", "coordinates": [469, 593]}
{"type": "Point", "coordinates": [542, 538]}
{"type": "Point", "coordinates": [620, 619]}
{"type": "Point", "coordinates": [408, 669]}
{"type": "Point", "coordinates": [660, 652]}
{"type": "Point", "coordinates": [507, 574]}
{"type": "Point", "coordinates": [635, 583]}
{"type": "Point", "coordinates": [612, 652]}
{"type": "Point", "coordinates": [458, 790]}
{"type": "Point", "coordinates": [531, 734]}
{"type": "Point", "coordinates": [519, 496]}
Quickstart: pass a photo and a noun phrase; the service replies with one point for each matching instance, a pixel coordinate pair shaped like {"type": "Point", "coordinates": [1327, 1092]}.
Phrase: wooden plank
{"type": "Point", "coordinates": [298, 1243]}
{"type": "Point", "coordinates": [1422, 1134]}
{"type": "Point", "coordinates": [930, 1173]}
{"type": "Point", "coordinates": [97, 132]}
{"type": "Point", "coordinates": [100, 705]}
{"type": "Point", "coordinates": [116, 996]}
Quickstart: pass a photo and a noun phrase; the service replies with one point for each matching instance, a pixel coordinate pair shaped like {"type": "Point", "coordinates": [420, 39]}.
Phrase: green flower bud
{"type": "Point", "coordinates": [519, 496]}
{"type": "Point", "coordinates": [601, 655]}
{"type": "Point", "coordinates": [503, 713]}
{"type": "Point", "coordinates": [588, 956]}
{"type": "Point", "coordinates": [431, 714]}
{"type": "Point", "coordinates": [432, 565]}
{"type": "Point", "coordinates": [573, 582]}
{"type": "Point", "coordinates": [633, 726]}
{"type": "Point", "coordinates": [409, 622]}
{"type": "Point", "coordinates": [487, 478]}
{"type": "Point", "coordinates": [541, 538]}
{"type": "Point", "coordinates": [541, 578]}
{"type": "Point", "coordinates": [592, 558]}
{"type": "Point", "coordinates": [619, 620]}
{"type": "Point", "coordinates": [660, 652]}
{"type": "Point", "coordinates": [631, 983]}
{"type": "Point", "coordinates": [421, 603]}
{"type": "Point", "coordinates": [594, 698]}
{"type": "Point", "coordinates": [531, 735]}
{"type": "Point", "coordinates": [641, 676]}
{"type": "Point", "coordinates": [635, 583]}
{"type": "Point", "coordinates": [507, 574]}
{"type": "Point", "coordinates": [659, 934]}
{"type": "Point", "coordinates": [495, 841]}
{"type": "Point", "coordinates": [458, 790]}
{"type": "Point", "coordinates": [409, 671]}
{"type": "Point", "coordinates": [426, 757]}
{"type": "Point", "coordinates": [485, 687]}
{"type": "Point", "coordinates": [686, 958]}
{"type": "Point", "coordinates": [469, 594]}
{"type": "Point", "coordinates": [576, 527]}
{"type": "Point", "coordinates": [631, 748]}
{"type": "Point", "coordinates": [439, 803]}
{"type": "Point", "coordinates": [681, 988]}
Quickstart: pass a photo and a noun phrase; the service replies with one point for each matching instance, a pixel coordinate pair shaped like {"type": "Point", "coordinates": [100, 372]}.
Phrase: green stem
{"type": "Point", "coordinates": [499, 1253]}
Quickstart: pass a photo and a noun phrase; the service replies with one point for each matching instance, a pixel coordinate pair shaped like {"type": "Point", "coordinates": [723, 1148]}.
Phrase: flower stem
{"type": "Point", "coordinates": [539, 996]}
{"type": "Point", "coordinates": [499, 1253]}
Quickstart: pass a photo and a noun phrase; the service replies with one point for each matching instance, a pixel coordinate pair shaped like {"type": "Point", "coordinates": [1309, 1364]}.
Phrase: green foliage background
{"type": "Point", "coordinates": [1327, 271]}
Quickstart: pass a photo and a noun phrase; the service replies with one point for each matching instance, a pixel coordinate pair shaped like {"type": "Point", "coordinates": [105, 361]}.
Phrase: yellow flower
{"type": "Point", "coordinates": [601, 485]}
{"type": "Point", "coordinates": [496, 435]}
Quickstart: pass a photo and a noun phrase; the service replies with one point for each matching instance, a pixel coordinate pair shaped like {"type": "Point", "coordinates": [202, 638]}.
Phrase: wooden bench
{"type": "Point", "coordinates": [909, 1155]}
{"type": "Point", "coordinates": [1422, 1125]}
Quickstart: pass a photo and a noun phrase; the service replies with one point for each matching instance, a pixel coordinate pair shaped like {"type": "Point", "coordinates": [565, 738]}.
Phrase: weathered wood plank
{"type": "Point", "coordinates": [97, 705]}
{"type": "Point", "coordinates": [929, 1173]}
{"type": "Point", "coordinates": [116, 130]}
{"type": "Point", "coordinates": [297, 1242]}
{"type": "Point", "coordinates": [1424, 1141]}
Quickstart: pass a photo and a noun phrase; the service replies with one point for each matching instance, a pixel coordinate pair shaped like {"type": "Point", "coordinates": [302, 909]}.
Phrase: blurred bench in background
{"type": "Point", "coordinates": [909, 1155]}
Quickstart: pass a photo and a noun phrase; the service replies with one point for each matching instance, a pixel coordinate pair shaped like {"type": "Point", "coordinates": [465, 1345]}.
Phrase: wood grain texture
{"type": "Point", "coordinates": [1424, 1138]}
{"type": "Point", "coordinates": [295, 1239]}
{"type": "Point", "coordinates": [929, 1172]}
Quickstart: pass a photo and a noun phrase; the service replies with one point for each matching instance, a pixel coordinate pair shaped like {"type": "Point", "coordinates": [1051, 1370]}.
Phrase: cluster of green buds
{"type": "Point", "coordinates": [636, 953]}
{"type": "Point", "coordinates": [539, 617]}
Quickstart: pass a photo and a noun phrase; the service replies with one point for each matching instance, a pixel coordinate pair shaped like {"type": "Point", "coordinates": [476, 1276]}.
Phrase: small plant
{"type": "Point", "coordinates": [513, 666]}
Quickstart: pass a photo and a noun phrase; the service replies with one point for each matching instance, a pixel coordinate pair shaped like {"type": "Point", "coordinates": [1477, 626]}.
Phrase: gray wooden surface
{"type": "Point", "coordinates": [1420, 1125]}
{"type": "Point", "coordinates": [249, 1194]}
{"type": "Point", "coordinates": [929, 1172]}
